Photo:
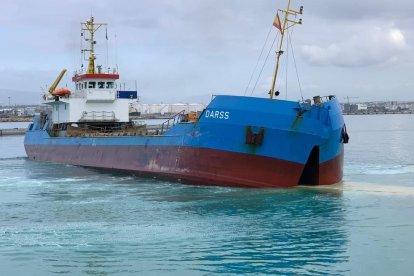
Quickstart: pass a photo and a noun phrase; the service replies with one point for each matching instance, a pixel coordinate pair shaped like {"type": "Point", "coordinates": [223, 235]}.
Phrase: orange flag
{"type": "Point", "coordinates": [277, 23]}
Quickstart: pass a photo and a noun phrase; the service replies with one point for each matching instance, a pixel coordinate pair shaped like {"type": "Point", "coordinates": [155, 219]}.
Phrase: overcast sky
{"type": "Point", "coordinates": [187, 50]}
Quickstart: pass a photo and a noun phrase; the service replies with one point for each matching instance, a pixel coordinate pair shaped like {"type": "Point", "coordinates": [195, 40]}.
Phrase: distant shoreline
{"type": "Point", "coordinates": [157, 116]}
{"type": "Point", "coordinates": [378, 113]}
{"type": "Point", "coordinates": [16, 119]}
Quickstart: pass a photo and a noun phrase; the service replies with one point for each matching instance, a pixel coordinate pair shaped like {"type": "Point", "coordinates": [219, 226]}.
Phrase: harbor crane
{"type": "Point", "coordinates": [347, 98]}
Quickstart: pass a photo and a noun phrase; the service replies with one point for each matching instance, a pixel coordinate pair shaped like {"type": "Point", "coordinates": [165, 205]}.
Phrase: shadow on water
{"type": "Point", "coordinates": [267, 231]}
{"type": "Point", "coordinates": [103, 222]}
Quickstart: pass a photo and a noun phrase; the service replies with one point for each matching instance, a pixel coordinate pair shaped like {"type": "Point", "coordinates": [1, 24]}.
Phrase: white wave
{"type": "Point", "coordinates": [367, 188]}
{"type": "Point", "coordinates": [379, 169]}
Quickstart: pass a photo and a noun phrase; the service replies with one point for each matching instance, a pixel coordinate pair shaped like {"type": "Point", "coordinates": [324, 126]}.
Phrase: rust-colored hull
{"type": "Point", "coordinates": [199, 166]}
{"type": "Point", "coordinates": [331, 172]}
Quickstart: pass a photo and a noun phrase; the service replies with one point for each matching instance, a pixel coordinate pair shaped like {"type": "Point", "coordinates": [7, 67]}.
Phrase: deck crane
{"type": "Point", "coordinates": [61, 91]}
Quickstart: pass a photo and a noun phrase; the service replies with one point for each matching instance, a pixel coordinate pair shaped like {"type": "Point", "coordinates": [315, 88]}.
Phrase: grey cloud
{"type": "Point", "coordinates": [359, 47]}
{"type": "Point", "coordinates": [366, 9]}
{"type": "Point", "coordinates": [178, 49]}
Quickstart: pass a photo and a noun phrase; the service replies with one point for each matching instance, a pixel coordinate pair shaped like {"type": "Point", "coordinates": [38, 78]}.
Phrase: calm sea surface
{"type": "Point", "coordinates": [57, 219]}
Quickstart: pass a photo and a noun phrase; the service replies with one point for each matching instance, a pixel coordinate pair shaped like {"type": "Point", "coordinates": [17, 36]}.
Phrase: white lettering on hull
{"type": "Point", "coordinates": [217, 114]}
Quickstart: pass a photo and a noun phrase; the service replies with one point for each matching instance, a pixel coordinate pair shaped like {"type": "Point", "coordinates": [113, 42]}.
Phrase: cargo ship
{"type": "Point", "coordinates": [236, 141]}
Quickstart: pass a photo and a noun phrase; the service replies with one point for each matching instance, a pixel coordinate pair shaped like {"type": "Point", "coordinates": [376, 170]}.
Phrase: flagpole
{"type": "Point", "coordinates": [282, 31]}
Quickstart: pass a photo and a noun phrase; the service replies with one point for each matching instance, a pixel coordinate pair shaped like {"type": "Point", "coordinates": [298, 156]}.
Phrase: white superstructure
{"type": "Point", "coordinates": [96, 98]}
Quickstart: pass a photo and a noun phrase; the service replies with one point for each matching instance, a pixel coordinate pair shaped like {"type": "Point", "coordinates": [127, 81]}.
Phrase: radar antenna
{"type": "Point", "coordinates": [90, 27]}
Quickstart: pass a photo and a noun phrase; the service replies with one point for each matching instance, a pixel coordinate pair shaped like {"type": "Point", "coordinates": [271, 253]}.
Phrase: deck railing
{"type": "Point", "coordinates": [177, 118]}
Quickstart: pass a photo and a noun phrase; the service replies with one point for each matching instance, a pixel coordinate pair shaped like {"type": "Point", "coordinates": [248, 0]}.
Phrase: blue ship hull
{"type": "Point", "coordinates": [237, 141]}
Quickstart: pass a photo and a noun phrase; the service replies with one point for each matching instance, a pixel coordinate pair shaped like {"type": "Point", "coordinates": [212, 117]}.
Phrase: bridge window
{"type": "Point", "coordinates": [85, 85]}
{"type": "Point", "coordinates": [101, 84]}
{"type": "Point", "coordinates": [92, 84]}
{"type": "Point", "coordinates": [110, 84]}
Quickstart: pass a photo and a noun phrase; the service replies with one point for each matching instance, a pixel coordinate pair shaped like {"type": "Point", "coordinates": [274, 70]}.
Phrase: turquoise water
{"type": "Point", "coordinates": [57, 219]}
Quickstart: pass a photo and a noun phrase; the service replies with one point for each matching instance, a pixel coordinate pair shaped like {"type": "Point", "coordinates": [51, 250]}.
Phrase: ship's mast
{"type": "Point", "coordinates": [91, 27]}
{"type": "Point", "coordinates": [287, 23]}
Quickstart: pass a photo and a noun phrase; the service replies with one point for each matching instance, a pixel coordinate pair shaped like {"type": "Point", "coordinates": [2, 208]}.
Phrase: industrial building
{"type": "Point", "coordinates": [164, 109]}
